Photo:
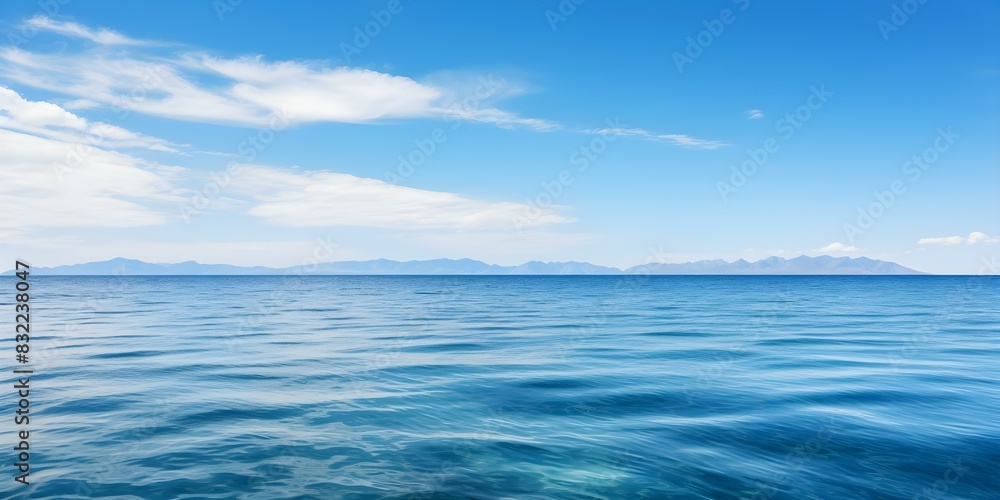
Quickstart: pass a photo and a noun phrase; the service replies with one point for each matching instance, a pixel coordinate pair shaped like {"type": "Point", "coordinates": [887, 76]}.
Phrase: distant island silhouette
{"type": "Point", "coordinates": [802, 265]}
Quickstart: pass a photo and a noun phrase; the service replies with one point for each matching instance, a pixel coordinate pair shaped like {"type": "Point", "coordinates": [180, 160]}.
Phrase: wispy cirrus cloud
{"type": "Point", "coordinates": [973, 238]}
{"type": "Point", "coordinates": [248, 91]}
{"type": "Point", "coordinates": [75, 30]}
{"type": "Point", "coordinates": [243, 91]}
{"type": "Point", "coordinates": [502, 119]}
{"type": "Point", "coordinates": [681, 140]}
{"type": "Point", "coordinates": [49, 120]}
{"type": "Point", "coordinates": [754, 114]}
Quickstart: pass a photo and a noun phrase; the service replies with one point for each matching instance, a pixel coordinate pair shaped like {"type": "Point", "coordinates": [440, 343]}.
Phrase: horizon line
{"type": "Point", "coordinates": [624, 270]}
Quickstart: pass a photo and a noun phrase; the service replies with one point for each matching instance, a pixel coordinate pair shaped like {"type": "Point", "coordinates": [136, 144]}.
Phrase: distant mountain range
{"type": "Point", "coordinates": [823, 264]}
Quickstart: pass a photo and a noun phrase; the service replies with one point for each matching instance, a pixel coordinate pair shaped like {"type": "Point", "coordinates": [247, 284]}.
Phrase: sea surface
{"type": "Point", "coordinates": [503, 387]}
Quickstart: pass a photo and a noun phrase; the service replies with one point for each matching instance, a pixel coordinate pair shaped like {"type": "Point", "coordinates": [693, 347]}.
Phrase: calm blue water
{"type": "Point", "coordinates": [511, 387]}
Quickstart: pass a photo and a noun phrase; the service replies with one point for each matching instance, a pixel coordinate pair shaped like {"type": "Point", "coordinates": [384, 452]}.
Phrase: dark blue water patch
{"type": "Point", "coordinates": [402, 338]}
{"type": "Point", "coordinates": [824, 341]}
{"type": "Point", "coordinates": [247, 377]}
{"type": "Point", "coordinates": [104, 404]}
{"type": "Point", "coordinates": [227, 416]}
{"type": "Point", "coordinates": [448, 347]}
{"type": "Point", "coordinates": [554, 383]}
{"type": "Point", "coordinates": [861, 398]}
{"type": "Point", "coordinates": [352, 417]}
{"type": "Point", "coordinates": [140, 354]}
{"type": "Point", "coordinates": [337, 322]}
{"type": "Point", "coordinates": [127, 312]}
{"type": "Point", "coordinates": [676, 333]}
{"type": "Point", "coordinates": [631, 403]}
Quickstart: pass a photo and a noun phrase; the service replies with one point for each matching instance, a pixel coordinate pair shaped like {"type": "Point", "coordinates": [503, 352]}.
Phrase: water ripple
{"type": "Point", "coordinates": [515, 387]}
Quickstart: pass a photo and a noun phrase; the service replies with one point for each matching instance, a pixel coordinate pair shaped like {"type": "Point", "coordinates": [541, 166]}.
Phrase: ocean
{"type": "Point", "coordinates": [507, 387]}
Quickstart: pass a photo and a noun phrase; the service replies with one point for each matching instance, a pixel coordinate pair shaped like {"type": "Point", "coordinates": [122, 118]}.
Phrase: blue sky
{"type": "Point", "coordinates": [257, 133]}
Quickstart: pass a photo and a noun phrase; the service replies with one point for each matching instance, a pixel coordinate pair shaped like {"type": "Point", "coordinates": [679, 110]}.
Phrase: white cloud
{"type": "Point", "coordinates": [245, 91]}
{"type": "Point", "coordinates": [326, 199]}
{"type": "Point", "coordinates": [973, 238]}
{"type": "Point", "coordinates": [978, 237]}
{"type": "Point", "coordinates": [837, 247]}
{"type": "Point", "coordinates": [949, 240]}
{"type": "Point", "coordinates": [312, 93]}
{"type": "Point", "coordinates": [250, 91]}
{"type": "Point", "coordinates": [80, 104]}
{"type": "Point", "coordinates": [129, 85]}
{"type": "Point", "coordinates": [56, 174]}
{"type": "Point", "coordinates": [754, 114]}
{"type": "Point", "coordinates": [101, 36]}
{"type": "Point", "coordinates": [684, 141]}
{"type": "Point", "coordinates": [49, 120]}
{"type": "Point", "coordinates": [103, 189]}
